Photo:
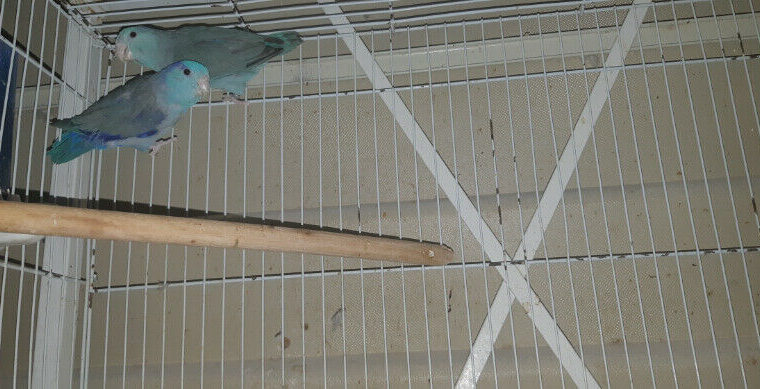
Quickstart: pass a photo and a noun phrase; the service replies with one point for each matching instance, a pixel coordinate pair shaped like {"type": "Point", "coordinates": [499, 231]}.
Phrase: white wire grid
{"type": "Point", "coordinates": [446, 132]}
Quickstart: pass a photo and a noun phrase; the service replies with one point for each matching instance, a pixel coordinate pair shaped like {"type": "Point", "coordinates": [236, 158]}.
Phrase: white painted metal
{"type": "Point", "coordinates": [556, 46]}
{"type": "Point", "coordinates": [554, 191]}
{"type": "Point", "coordinates": [59, 300]}
{"type": "Point", "coordinates": [515, 275]}
{"type": "Point", "coordinates": [405, 344]}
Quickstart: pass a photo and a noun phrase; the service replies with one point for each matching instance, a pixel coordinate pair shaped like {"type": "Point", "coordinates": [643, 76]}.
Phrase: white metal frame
{"type": "Point", "coordinates": [515, 285]}
{"type": "Point", "coordinates": [59, 297]}
{"type": "Point", "coordinates": [553, 193]}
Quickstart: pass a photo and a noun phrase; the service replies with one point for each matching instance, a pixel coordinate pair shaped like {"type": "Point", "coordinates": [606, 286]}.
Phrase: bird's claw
{"type": "Point", "coordinates": [160, 143]}
{"type": "Point", "coordinates": [232, 98]}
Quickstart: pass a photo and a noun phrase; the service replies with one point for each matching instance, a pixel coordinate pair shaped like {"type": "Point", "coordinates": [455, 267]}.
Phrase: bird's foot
{"type": "Point", "coordinates": [232, 98]}
{"type": "Point", "coordinates": [160, 143]}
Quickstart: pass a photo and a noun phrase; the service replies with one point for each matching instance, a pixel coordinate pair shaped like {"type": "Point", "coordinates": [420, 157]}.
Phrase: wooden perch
{"type": "Point", "coordinates": [41, 219]}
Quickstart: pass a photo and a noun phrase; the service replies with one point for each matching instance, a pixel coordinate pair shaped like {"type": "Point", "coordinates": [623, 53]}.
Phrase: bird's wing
{"type": "Point", "coordinates": [127, 111]}
{"type": "Point", "coordinates": [225, 51]}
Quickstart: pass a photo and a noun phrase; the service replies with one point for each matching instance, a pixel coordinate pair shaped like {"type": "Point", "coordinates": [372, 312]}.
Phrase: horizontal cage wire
{"type": "Point", "coordinates": [592, 164]}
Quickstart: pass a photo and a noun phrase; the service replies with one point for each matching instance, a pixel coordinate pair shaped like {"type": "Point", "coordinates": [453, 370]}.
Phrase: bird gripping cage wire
{"type": "Point", "coordinates": [592, 165]}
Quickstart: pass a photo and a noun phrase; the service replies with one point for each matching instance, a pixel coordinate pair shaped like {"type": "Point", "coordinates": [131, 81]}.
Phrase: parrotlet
{"type": "Point", "coordinates": [140, 114]}
{"type": "Point", "coordinates": [233, 56]}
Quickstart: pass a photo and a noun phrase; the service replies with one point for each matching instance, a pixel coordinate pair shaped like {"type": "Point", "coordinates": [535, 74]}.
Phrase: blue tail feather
{"type": "Point", "coordinates": [70, 145]}
{"type": "Point", "coordinates": [286, 40]}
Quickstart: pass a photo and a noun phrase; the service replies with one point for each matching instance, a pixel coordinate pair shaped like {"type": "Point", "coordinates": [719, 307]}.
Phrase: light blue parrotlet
{"type": "Point", "coordinates": [140, 114]}
{"type": "Point", "coordinates": [233, 56]}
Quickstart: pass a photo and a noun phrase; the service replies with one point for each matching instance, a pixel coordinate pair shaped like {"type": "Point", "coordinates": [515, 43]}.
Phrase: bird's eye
{"type": "Point", "coordinates": [187, 72]}
{"type": "Point", "coordinates": [132, 34]}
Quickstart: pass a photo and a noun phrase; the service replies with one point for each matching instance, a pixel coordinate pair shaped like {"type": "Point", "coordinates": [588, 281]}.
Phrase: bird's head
{"type": "Point", "coordinates": [140, 43]}
{"type": "Point", "coordinates": [187, 81]}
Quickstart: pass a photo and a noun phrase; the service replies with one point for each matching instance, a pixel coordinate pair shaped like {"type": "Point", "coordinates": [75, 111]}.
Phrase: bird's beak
{"type": "Point", "coordinates": [203, 86]}
{"type": "Point", "coordinates": [123, 52]}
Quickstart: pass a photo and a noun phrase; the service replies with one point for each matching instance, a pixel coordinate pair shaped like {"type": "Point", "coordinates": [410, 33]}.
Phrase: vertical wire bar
{"type": "Point", "coordinates": [321, 257]}
{"type": "Point", "coordinates": [604, 214]}
{"type": "Point", "coordinates": [535, 179]}
{"type": "Point", "coordinates": [414, 142]}
{"type": "Point", "coordinates": [625, 209]}
{"type": "Point", "coordinates": [419, 218]}
{"type": "Point", "coordinates": [398, 210]}
{"type": "Point", "coordinates": [538, 201]}
{"type": "Point", "coordinates": [166, 261]}
{"type": "Point", "coordinates": [118, 149]}
{"type": "Point", "coordinates": [88, 244]}
{"type": "Point", "coordinates": [15, 150]}
{"type": "Point", "coordinates": [166, 264]}
{"type": "Point", "coordinates": [2, 293]}
{"type": "Point", "coordinates": [379, 214]}
{"type": "Point", "coordinates": [477, 196]}
{"type": "Point", "coordinates": [301, 198]}
{"type": "Point", "coordinates": [2, 297]}
{"type": "Point", "coordinates": [686, 191]}
{"type": "Point", "coordinates": [398, 197]}
{"type": "Point", "coordinates": [205, 249]}
{"type": "Point", "coordinates": [184, 266]}
{"type": "Point", "coordinates": [243, 253]}
{"type": "Point", "coordinates": [517, 186]}
{"type": "Point", "coordinates": [7, 95]}
{"type": "Point", "coordinates": [18, 313]}
{"type": "Point", "coordinates": [660, 294]}
{"type": "Point", "coordinates": [582, 208]}
{"type": "Point", "coordinates": [744, 161]}
{"type": "Point", "coordinates": [562, 197]}
{"type": "Point", "coordinates": [2, 129]}
{"type": "Point", "coordinates": [340, 218]}
{"type": "Point", "coordinates": [110, 259]}
{"type": "Point", "coordinates": [50, 102]}
{"type": "Point", "coordinates": [707, 186]}
{"type": "Point", "coordinates": [446, 308]}
{"type": "Point", "coordinates": [129, 260]}
{"type": "Point", "coordinates": [89, 258]}
{"type": "Point", "coordinates": [42, 173]}
{"type": "Point", "coordinates": [126, 292]}
{"type": "Point", "coordinates": [100, 152]}
{"type": "Point", "coordinates": [282, 219]}
{"type": "Point", "coordinates": [84, 375]}
{"type": "Point", "coordinates": [456, 175]}
{"type": "Point", "coordinates": [145, 309]}
{"type": "Point", "coordinates": [110, 266]}
{"type": "Point", "coordinates": [359, 214]}
{"type": "Point", "coordinates": [263, 208]}
{"type": "Point", "coordinates": [28, 177]}
{"type": "Point", "coordinates": [417, 203]}
{"type": "Point", "coordinates": [184, 313]}
{"type": "Point", "coordinates": [10, 71]}
{"type": "Point", "coordinates": [147, 267]}
{"type": "Point", "coordinates": [496, 187]}
{"type": "Point", "coordinates": [34, 311]}
{"type": "Point", "coordinates": [667, 204]}
{"type": "Point", "coordinates": [43, 41]}
{"type": "Point", "coordinates": [224, 250]}
{"type": "Point", "coordinates": [61, 313]}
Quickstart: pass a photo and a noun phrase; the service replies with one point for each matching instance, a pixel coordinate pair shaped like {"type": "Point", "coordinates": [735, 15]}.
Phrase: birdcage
{"type": "Point", "coordinates": [592, 165]}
